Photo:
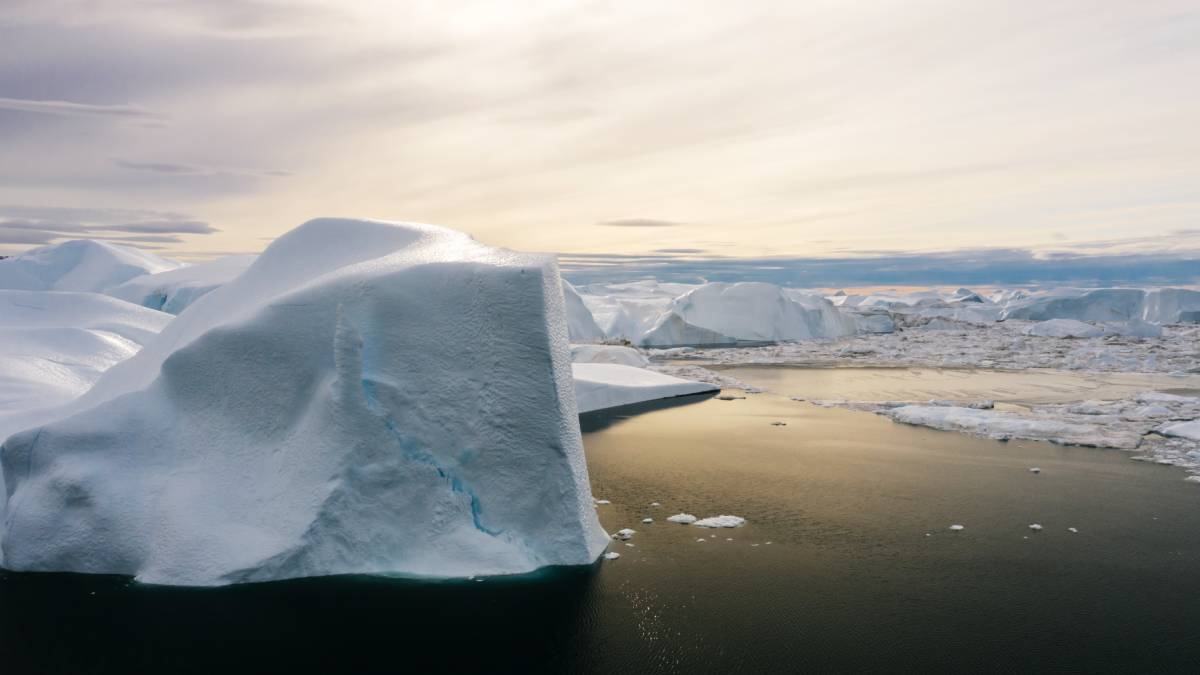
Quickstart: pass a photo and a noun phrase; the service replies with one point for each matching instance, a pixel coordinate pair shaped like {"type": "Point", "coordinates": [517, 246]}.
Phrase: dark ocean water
{"type": "Point", "coordinates": [849, 581]}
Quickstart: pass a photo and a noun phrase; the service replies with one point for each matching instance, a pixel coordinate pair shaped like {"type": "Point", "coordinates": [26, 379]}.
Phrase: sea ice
{"type": "Point", "coordinates": [612, 555]}
{"type": "Point", "coordinates": [682, 518]}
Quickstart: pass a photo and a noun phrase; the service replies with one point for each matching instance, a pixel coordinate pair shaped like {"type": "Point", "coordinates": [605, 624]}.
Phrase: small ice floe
{"type": "Point", "coordinates": [727, 397]}
{"type": "Point", "coordinates": [753, 545]}
{"type": "Point", "coordinates": [655, 504]}
{"type": "Point", "coordinates": [1035, 527]}
{"type": "Point", "coordinates": [928, 534]}
{"type": "Point", "coordinates": [647, 520]}
{"type": "Point", "coordinates": [799, 398]}
{"type": "Point", "coordinates": [1194, 479]}
{"type": "Point", "coordinates": [602, 502]}
{"type": "Point", "coordinates": [769, 543]}
{"type": "Point", "coordinates": [625, 534]}
{"type": "Point", "coordinates": [701, 540]}
{"type": "Point", "coordinates": [779, 424]}
{"type": "Point", "coordinates": [682, 518]}
{"type": "Point", "coordinates": [629, 545]}
{"type": "Point", "coordinates": [1073, 530]}
{"type": "Point", "coordinates": [721, 521]}
{"type": "Point", "coordinates": [1035, 470]}
{"type": "Point", "coordinates": [612, 555]}
{"type": "Point", "coordinates": [956, 528]}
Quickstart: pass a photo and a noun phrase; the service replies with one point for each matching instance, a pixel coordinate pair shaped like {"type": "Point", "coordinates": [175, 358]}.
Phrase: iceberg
{"type": "Point", "coordinates": [366, 397]}
{"type": "Point", "coordinates": [78, 265]}
{"type": "Point", "coordinates": [173, 290]}
{"type": "Point", "coordinates": [608, 385]}
{"type": "Point", "coordinates": [581, 325]}
{"type": "Point", "coordinates": [1064, 328]}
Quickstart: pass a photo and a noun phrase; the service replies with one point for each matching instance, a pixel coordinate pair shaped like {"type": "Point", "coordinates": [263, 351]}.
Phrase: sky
{"type": "Point", "coordinates": [714, 137]}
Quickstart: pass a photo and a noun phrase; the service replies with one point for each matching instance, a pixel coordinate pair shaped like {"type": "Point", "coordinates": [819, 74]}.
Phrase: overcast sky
{"type": "Point", "coordinates": [689, 129]}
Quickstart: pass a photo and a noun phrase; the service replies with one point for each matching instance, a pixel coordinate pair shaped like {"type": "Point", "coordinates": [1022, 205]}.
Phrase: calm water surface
{"type": "Point", "coordinates": [849, 582]}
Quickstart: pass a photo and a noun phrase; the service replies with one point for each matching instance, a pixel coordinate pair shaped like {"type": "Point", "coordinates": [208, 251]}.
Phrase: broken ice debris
{"type": "Point", "coordinates": [721, 521]}
{"type": "Point", "coordinates": [682, 518]}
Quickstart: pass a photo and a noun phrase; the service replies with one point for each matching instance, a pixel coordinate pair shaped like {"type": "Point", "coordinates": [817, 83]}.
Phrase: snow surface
{"type": "Point", "coordinates": [78, 265]}
{"type": "Point", "coordinates": [173, 290]}
{"type": "Point", "coordinates": [607, 385]}
{"type": "Point", "coordinates": [55, 345]}
{"type": "Point", "coordinates": [366, 397]}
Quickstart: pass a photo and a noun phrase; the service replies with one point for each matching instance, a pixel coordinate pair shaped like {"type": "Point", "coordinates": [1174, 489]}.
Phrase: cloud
{"type": "Point", "coordinates": [963, 268]}
{"type": "Point", "coordinates": [37, 225]}
{"type": "Point", "coordinates": [638, 222]}
{"type": "Point", "coordinates": [77, 109]}
{"type": "Point", "coordinates": [176, 169]}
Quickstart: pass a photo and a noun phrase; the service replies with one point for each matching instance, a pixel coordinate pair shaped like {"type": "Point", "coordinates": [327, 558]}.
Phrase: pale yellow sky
{"type": "Point", "coordinates": [736, 129]}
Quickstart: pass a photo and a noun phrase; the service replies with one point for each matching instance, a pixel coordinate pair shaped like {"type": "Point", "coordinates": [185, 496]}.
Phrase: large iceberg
{"type": "Point", "coordinates": [367, 397]}
{"type": "Point", "coordinates": [78, 265]}
{"type": "Point", "coordinates": [608, 385]}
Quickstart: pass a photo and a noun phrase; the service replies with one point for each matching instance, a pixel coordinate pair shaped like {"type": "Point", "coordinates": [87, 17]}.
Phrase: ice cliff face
{"type": "Point", "coordinates": [366, 398]}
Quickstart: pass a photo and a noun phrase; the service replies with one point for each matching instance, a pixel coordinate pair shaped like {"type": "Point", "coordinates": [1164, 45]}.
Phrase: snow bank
{"type": "Point", "coordinates": [78, 265]}
{"type": "Point", "coordinates": [607, 385]}
{"type": "Point", "coordinates": [172, 291]}
{"type": "Point", "coordinates": [55, 345]}
{"type": "Point", "coordinates": [366, 398]}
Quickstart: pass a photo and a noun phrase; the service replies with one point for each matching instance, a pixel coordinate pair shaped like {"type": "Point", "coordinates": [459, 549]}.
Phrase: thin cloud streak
{"type": "Point", "coordinates": [74, 109]}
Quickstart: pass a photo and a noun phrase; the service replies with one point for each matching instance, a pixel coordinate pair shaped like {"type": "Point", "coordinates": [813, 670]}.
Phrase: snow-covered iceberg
{"type": "Point", "coordinates": [367, 397]}
{"type": "Point", "coordinates": [173, 290]}
{"type": "Point", "coordinates": [78, 265]}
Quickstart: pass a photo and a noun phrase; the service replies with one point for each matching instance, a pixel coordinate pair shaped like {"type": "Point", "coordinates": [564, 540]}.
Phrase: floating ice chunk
{"type": "Point", "coordinates": [720, 521]}
{"type": "Point", "coordinates": [1035, 470]}
{"type": "Point", "coordinates": [655, 504]}
{"type": "Point", "coordinates": [603, 501]}
{"type": "Point", "coordinates": [701, 540]}
{"type": "Point", "coordinates": [729, 397]}
{"type": "Point", "coordinates": [1035, 527]}
{"type": "Point", "coordinates": [612, 555]}
{"type": "Point", "coordinates": [647, 520]}
{"type": "Point", "coordinates": [956, 528]}
{"type": "Point", "coordinates": [608, 385]}
{"type": "Point", "coordinates": [682, 518]}
{"type": "Point", "coordinates": [625, 534]}
{"type": "Point", "coordinates": [779, 424]}
{"type": "Point", "coordinates": [1072, 530]}
{"type": "Point", "coordinates": [1188, 430]}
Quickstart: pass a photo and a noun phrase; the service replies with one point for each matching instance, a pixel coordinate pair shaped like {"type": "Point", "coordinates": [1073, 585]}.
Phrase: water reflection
{"type": "Point", "coordinates": [100, 624]}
